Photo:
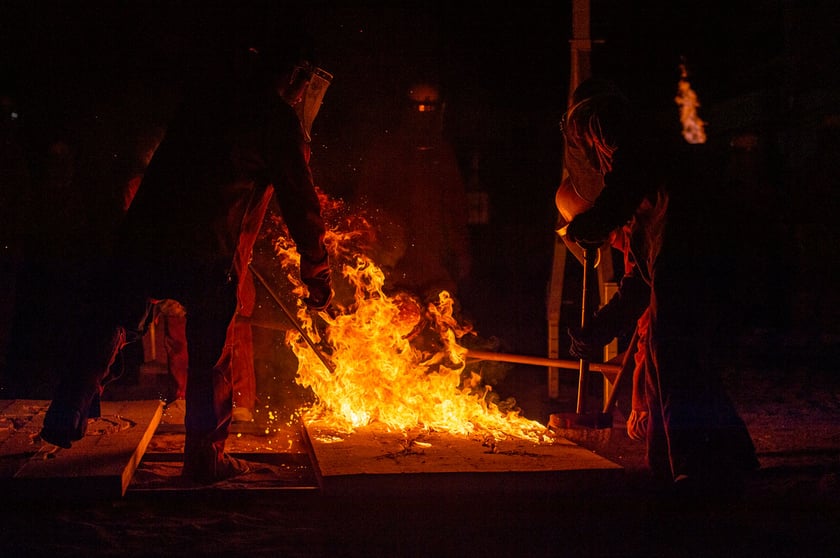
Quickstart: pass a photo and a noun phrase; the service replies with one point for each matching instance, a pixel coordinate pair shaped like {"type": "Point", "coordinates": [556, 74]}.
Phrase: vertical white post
{"type": "Point", "coordinates": [580, 47]}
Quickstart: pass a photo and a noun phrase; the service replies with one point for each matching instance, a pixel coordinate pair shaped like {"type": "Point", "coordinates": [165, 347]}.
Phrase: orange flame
{"type": "Point", "coordinates": [394, 361]}
{"type": "Point", "coordinates": [693, 128]}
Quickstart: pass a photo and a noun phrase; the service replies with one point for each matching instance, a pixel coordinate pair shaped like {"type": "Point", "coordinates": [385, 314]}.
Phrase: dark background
{"type": "Point", "coordinates": [104, 77]}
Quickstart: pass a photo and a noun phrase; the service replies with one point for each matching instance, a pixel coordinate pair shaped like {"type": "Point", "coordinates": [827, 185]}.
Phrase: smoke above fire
{"type": "Point", "coordinates": [394, 359]}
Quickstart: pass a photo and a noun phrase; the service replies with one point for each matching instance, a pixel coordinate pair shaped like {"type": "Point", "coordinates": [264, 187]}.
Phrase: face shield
{"type": "Point", "coordinates": [313, 95]}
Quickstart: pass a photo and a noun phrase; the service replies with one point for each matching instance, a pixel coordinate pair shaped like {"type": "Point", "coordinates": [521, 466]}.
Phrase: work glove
{"type": "Point", "coordinates": [612, 320]}
{"type": "Point", "coordinates": [588, 343]}
{"type": "Point", "coordinates": [637, 425]}
{"type": "Point", "coordinates": [316, 276]}
{"type": "Point", "coordinates": [586, 235]}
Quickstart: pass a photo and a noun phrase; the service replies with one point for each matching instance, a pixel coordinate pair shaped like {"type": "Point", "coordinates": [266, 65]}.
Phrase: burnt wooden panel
{"type": "Point", "coordinates": [372, 458]}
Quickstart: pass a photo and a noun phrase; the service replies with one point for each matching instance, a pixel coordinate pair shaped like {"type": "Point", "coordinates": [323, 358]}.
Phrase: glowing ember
{"type": "Point", "coordinates": [395, 362]}
{"type": "Point", "coordinates": [693, 128]}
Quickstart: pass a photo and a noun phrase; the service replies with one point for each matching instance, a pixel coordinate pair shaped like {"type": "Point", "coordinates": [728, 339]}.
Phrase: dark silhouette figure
{"type": "Point", "coordinates": [670, 197]}
{"type": "Point", "coordinates": [412, 182]}
{"type": "Point", "coordinates": [237, 141]}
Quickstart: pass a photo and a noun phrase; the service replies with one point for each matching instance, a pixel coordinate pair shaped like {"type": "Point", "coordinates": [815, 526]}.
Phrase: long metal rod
{"type": "Point", "coordinates": [628, 363]}
{"type": "Point", "coordinates": [293, 320]}
{"type": "Point", "coordinates": [605, 368]}
{"type": "Point", "coordinates": [590, 256]}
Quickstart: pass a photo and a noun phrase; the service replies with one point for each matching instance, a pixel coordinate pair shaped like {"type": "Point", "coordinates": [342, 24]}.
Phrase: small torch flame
{"type": "Point", "coordinates": [693, 128]}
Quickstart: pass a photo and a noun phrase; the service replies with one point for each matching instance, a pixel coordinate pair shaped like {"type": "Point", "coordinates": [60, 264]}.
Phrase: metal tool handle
{"type": "Point", "coordinates": [590, 258]}
{"type": "Point", "coordinates": [628, 362]}
{"type": "Point", "coordinates": [330, 366]}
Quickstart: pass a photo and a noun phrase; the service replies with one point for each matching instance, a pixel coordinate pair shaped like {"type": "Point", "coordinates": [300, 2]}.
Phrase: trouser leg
{"type": "Point", "coordinates": [658, 457]}
{"type": "Point", "coordinates": [101, 337]}
{"type": "Point", "coordinates": [706, 438]}
{"type": "Point", "coordinates": [243, 376]}
{"type": "Point", "coordinates": [175, 341]}
{"type": "Point", "coordinates": [209, 389]}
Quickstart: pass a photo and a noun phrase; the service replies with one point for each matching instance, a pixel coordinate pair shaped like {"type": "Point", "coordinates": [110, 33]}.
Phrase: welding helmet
{"type": "Point", "coordinates": [425, 98]}
{"type": "Point", "coordinates": [596, 107]}
{"type": "Point", "coordinates": [292, 57]}
{"type": "Point", "coordinates": [318, 80]}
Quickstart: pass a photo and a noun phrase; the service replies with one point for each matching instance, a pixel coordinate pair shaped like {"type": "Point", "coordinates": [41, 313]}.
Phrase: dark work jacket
{"type": "Point", "coordinates": [636, 171]}
{"type": "Point", "coordinates": [224, 151]}
{"type": "Point", "coordinates": [687, 264]}
{"type": "Point", "coordinates": [685, 254]}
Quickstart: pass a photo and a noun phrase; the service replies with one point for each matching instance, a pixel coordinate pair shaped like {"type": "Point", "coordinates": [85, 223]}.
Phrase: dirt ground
{"type": "Point", "coordinates": [789, 396]}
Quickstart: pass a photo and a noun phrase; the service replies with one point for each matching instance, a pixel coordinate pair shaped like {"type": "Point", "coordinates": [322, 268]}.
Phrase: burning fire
{"type": "Point", "coordinates": [693, 128]}
{"type": "Point", "coordinates": [394, 361]}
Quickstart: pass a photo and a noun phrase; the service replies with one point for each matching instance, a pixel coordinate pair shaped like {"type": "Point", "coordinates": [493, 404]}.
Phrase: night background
{"type": "Point", "coordinates": [88, 87]}
{"type": "Point", "coordinates": [103, 78]}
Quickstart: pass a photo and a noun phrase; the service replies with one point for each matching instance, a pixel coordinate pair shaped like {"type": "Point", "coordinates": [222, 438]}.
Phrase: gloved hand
{"type": "Point", "coordinates": [581, 232]}
{"type": "Point", "coordinates": [316, 276]}
{"type": "Point", "coordinates": [587, 344]}
{"type": "Point", "coordinates": [637, 425]}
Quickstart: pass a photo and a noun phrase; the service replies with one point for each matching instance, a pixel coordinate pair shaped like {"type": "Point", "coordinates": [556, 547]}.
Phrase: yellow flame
{"type": "Point", "coordinates": [693, 127]}
{"type": "Point", "coordinates": [394, 361]}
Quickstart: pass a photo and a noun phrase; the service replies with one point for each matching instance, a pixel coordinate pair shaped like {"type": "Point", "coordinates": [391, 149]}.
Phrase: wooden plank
{"type": "Point", "coordinates": [20, 422]}
{"type": "Point", "coordinates": [374, 459]}
{"type": "Point", "coordinates": [100, 465]}
{"type": "Point", "coordinates": [280, 461]}
{"type": "Point", "coordinates": [275, 472]}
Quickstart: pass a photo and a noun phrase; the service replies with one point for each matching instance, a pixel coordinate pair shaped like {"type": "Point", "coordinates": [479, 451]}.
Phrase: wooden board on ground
{"type": "Point", "coordinates": [276, 472]}
{"type": "Point", "coordinates": [279, 460]}
{"type": "Point", "coordinates": [236, 428]}
{"type": "Point", "coordinates": [99, 465]}
{"type": "Point", "coordinates": [374, 459]}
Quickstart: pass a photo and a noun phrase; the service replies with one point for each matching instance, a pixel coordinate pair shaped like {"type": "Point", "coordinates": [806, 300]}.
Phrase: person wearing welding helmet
{"type": "Point", "coordinates": [239, 139]}
{"type": "Point", "coordinates": [661, 202]}
{"type": "Point", "coordinates": [411, 179]}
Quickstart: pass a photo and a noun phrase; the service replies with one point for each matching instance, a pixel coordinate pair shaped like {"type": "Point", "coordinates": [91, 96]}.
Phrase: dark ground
{"type": "Point", "coordinates": [788, 396]}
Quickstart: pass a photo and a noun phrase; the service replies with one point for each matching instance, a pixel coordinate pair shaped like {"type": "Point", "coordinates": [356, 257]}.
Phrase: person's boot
{"type": "Point", "coordinates": [208, 465]}
{"type": "Point", "coordinates": [242, 414]}
{"type": "Point", "coordinates": [63, 426]}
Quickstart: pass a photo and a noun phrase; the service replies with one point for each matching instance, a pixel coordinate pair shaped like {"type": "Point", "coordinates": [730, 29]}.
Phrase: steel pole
{"type": "Point", "coordinates": [330, 366]}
